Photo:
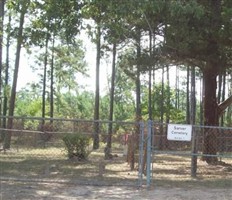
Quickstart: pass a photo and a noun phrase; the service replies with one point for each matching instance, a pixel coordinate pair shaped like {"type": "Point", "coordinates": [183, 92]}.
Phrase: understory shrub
{"type": "Point", "coordinates": [76, 146]}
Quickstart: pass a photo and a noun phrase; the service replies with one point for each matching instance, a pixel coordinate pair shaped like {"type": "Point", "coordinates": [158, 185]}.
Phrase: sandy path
{"type": "Point", "coordinates": [55, 191]}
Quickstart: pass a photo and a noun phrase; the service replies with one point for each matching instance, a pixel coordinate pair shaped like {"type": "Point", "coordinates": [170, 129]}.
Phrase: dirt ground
{"type": "Point", "coordinates": [59, 191]}
{"type": "Point", "coordinates": [19, 172]}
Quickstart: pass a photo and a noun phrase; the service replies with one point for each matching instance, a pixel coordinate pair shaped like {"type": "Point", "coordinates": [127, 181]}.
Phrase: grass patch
{"type": "Point", "coordinates": [175, 171]}
{"type": "Point", "coordinates": [168, 171]}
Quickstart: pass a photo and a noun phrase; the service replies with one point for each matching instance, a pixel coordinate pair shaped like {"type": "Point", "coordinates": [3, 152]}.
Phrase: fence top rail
{"type": "Point", "coordinates": [41, 132]}
{"type": "Point", "coordinates": [71, 120]}
{"type": "Point", "coordinates": [106, 121]}
{"type": "Point", "coordinates": [194, 126]}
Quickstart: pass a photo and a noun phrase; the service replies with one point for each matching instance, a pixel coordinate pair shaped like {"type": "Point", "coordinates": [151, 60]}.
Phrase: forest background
{"type": "Point", "coordinates": [144, 41]}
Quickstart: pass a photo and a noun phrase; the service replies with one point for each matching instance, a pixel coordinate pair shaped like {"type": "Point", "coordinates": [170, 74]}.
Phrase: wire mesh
{"type": "Point", "coordinates": [208, 155]}
{"type": "Point", "coordinates": [38, 152]}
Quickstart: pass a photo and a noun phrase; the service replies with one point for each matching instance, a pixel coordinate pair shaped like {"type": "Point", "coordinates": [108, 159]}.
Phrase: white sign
{"type": "Point", "coordinates": [179, 132]}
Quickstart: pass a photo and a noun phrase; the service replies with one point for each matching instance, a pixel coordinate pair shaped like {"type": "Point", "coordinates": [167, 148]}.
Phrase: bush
{"type": "Point", "coordinates": [76, 146]}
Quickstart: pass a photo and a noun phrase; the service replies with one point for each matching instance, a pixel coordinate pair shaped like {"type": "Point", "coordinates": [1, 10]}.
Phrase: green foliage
{"type": "Point", "coordinates": [168, 105]}
{"type": "Point", "coordinates": [31, 125]}
{"type": "Point", "coordinates": [124, 97]}
{"type": "Point", "coordinates": [28, 108]}
{"type": "Point", "coordinates": [69, 61]}
{"type": "Point", "coordinates": [28, 102]}
{"type": "Point", "coordinates": [75, 106]}
{"type": "Point", "coordinates": [76, 146]}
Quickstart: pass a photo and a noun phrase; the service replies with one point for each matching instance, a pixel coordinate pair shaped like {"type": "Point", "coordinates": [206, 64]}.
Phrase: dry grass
{"type": "Point", "coordinates": [52, 164]}
{"type": "Point", "coordinates": [176, 171]}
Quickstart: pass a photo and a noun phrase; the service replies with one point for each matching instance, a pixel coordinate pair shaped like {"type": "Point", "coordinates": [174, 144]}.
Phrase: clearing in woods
{"type": "Point", "coordinates": [60, 178]}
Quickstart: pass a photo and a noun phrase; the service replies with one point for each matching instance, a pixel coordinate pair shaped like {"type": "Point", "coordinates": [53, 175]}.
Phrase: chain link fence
{"type": "Point", "coordinates": [129, 153]}
{"type": "Point", "coordinates": [206, 156]}
{"type": "Point", "coordinates": [38, 152]}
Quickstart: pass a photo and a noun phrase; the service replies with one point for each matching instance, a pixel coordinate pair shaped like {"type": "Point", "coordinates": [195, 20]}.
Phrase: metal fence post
{"type": "Point", "coordinates": [149, 153]}
{"type": "Point", "coordinates": [141, 154]}
{"type": "Point", "coordinates": [194, 157]}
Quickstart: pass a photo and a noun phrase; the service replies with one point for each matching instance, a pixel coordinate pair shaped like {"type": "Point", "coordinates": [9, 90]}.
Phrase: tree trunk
{"type": "Point", "coordinates": [177, 103]}
{"type": "Point", "coordinates": [2, 3]}
{"type": "Point", "coordinates": [229, 112]}
{"type": "Point", "coordinates": [5, 92]}
{"type": "Point", "coordinates": [149, 82]}
{"type": "Point", "coordinates": [138, 116]}
{"type": "Point", "coordinates": [219, 87]}
{"type": "Point", "coordinates": [187, 99]}
{"type": "Point", "coordinates": [44, 80]}
{"type": "Point", "coordinates": [201, 102]}
{"type": "Point", "coordinates": [211, 115]}
{"type": "Point", "coordinates": [137, 81]}
{"type": "Point", "coordinates": [193, 96]}
{"type": "Point", "coordinates": [168, 96]}
{"type": "Point", "coordinates": [96, 106]}
{"type": "Point", "coordinates": [223, 95]}
{"type": "Point", "coordinates": [110, 129]}
{"type": "Point", "coordinates": [162, 97]}
{"type": "Point", "coordinates": [210, 73]}
{"type": "Point", "coordinates": [52, 82]}
{"type": "Point", "coordinates": [1, 64]}
{"type": "Point", "coordinates": [7, 139]}
{"type": "Point", "coordinates": [162, 143]}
